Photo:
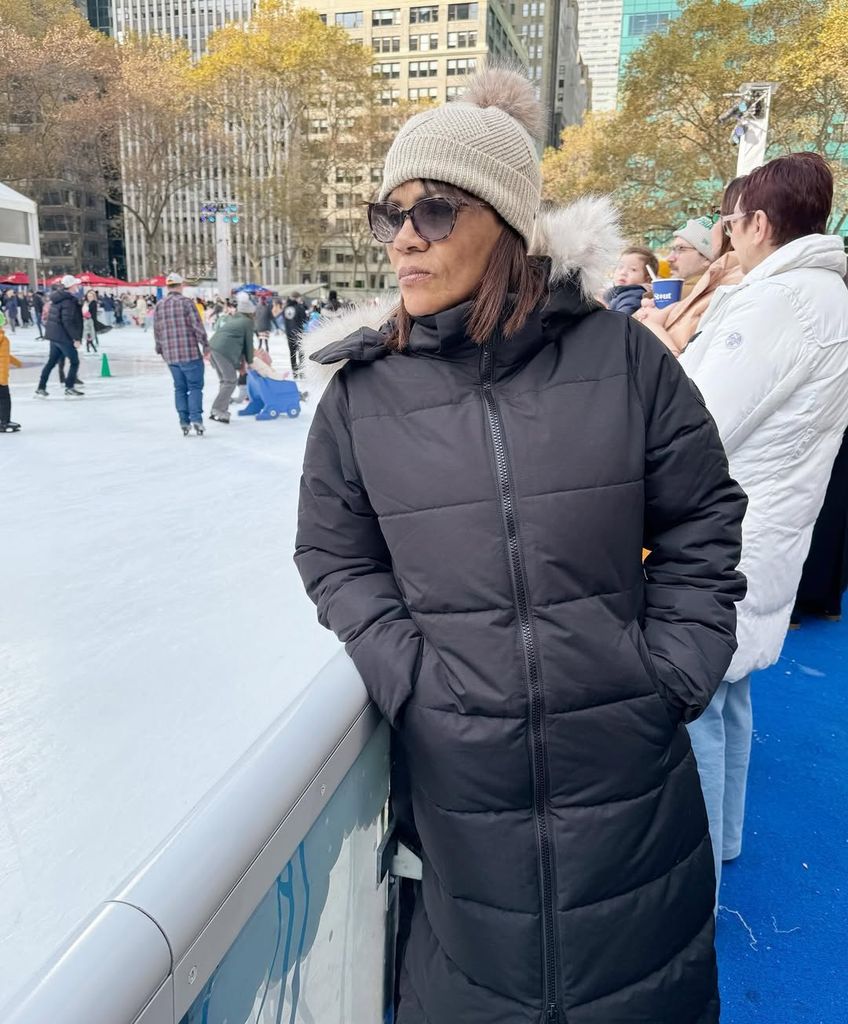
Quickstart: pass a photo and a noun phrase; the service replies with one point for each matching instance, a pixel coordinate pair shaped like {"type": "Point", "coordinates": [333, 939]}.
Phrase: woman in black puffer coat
{"type": "Point", "coordinates": [480, 478]}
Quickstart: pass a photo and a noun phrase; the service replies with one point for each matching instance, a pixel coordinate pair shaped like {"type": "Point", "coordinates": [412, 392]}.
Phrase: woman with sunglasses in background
{"type": "Point", "coordinates": [481, 474]}
{"type": "Point", "coordinates": [678, 323]}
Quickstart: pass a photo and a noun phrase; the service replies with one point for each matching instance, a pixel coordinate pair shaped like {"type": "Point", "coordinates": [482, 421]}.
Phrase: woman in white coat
{"type": "Point", "coordinates": [772, 364]}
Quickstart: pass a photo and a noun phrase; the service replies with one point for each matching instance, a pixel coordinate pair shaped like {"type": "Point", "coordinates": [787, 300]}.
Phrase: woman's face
{"type": "Point", "coordinates": [438, 275]}
{"type": "Point", "coordinates": [89, 295]}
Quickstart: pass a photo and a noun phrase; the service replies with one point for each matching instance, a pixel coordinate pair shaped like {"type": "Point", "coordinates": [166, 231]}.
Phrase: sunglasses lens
{"type": "Point", "coordinates": [433, 219]}
{"type": "Point", "coordinates": [385, 220]}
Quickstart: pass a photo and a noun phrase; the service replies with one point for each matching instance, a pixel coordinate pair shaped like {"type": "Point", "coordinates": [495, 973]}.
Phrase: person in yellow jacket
{"type": "Point", "coordinates": [6, 359]}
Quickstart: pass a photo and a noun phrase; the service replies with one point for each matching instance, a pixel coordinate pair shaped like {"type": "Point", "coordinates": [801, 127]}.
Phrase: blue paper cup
{"type": "Point", "coordinates": [667, 290]}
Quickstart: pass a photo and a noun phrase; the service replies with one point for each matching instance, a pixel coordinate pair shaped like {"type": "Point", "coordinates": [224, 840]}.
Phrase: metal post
{"type": "Point", "coordinates": [752, 144]}
{"type": "Point", "coordinates": [223, 256]}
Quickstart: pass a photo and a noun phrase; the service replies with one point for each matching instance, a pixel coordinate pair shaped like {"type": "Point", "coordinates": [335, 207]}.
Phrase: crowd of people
{"type": "Point", "coordinates": [70, 318]}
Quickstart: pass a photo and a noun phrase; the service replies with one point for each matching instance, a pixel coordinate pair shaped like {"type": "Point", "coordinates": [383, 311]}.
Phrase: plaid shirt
{"type": "Point", "coordinates": [178, 330]}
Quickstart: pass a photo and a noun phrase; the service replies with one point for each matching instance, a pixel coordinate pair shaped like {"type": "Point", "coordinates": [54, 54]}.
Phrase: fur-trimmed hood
{"type": "Point", "coordinates": [582, 241]}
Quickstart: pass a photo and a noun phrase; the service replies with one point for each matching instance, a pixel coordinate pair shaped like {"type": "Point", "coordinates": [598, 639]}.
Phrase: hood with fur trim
{"type": "Point", "coordinates": [582, 241]}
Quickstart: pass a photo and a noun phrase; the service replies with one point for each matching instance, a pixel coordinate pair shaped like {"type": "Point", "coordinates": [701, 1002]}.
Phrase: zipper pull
{"type": "Point", "coordinates": [552, 1014]}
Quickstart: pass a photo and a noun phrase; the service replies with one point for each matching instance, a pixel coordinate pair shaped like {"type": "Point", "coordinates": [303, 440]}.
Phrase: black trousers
{"type": "Point", "coordinates": [295, 354]}
{"type": "Point", "coordinates": [60, 350]}
{"type": "Point", "coordinates": [5, 404]}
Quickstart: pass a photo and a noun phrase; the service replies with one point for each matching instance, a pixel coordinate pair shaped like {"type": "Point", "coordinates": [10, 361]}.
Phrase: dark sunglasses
{"type": "Point", "coordinates": [433, 218]}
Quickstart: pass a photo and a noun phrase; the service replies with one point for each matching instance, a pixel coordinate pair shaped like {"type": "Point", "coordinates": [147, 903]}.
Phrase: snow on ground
{"type": "Point", "coordinates": [152, 625]}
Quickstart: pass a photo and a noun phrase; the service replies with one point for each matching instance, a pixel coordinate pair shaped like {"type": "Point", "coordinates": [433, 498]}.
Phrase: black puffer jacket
{"type": "Point", "coordinates": [471, 525]}
{"type": "Point", "coordinates": [64, 321]}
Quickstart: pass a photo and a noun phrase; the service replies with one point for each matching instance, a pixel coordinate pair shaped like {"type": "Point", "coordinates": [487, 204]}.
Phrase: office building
{"type": "Point", "coordinates": [549, 31]}
{"type": "Point", "coordinates": [599, 24]}
{"type": "Point", "coordinates": [641, 18]}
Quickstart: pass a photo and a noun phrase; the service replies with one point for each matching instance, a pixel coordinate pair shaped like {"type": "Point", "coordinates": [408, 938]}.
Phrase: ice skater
{"type": "Point", "coordinates": [232, 347]}
{"type": "Point", "coordinates": [7, 425]}
{"type": "Point", "coordinates": [64, 332]}
{"type": "Point", "coordinates": [181, 341]}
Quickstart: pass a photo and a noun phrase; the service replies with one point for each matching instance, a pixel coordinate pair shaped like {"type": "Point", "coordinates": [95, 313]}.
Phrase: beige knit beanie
{"type": "Point", "coordinates": [482, 143]}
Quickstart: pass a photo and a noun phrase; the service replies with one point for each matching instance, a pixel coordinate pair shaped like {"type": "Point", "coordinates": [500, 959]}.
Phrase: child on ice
{"type": "Point", "coordinates": [6, 358]}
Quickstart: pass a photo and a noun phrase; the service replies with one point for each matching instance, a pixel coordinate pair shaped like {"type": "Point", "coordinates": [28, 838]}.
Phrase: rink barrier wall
{"type": "Point", "coordinates": [143, 955]}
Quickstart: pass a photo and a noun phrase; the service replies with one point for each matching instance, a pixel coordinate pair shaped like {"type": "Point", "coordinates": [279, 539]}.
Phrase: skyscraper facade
{"type": "Point", "coordinates": [600, 41]}
{"type": "Point", "coordinates": [640, 18]}
{"type": "Point", "coordinates": [549, 31]}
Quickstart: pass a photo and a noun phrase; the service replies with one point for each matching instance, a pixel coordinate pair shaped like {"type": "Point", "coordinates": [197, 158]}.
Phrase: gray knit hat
{"type": "Point", "coordinates": [482, 143]}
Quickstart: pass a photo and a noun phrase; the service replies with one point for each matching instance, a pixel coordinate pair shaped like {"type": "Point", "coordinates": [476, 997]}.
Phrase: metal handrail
{"type": "Point", "coordinates": [144, 954]}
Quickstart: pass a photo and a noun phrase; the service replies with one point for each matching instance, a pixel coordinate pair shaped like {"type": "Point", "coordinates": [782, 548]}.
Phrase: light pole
{"type": "Point", "coordinates": [750, 132]}
{"type": "Point", "coordinates": [223, 216]}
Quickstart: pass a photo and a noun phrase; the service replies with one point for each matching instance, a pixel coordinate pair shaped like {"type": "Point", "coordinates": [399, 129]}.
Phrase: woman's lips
{"type": "Point", "coordinates": [413, 275]}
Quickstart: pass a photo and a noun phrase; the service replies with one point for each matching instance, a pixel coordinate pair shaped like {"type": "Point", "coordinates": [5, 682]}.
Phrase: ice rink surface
{"type": "Point", "coordinates": [152, 625]}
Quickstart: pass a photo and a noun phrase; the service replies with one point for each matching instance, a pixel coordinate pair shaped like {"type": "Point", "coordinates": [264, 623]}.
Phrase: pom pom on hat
{"type": "Point", "coordinates": [509, 91]}
{"type": "Point", "coordinates": [481, 143]}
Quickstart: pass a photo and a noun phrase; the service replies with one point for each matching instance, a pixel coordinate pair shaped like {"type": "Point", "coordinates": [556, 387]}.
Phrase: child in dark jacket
{"type": "Point", "coordinates": [631, 279]}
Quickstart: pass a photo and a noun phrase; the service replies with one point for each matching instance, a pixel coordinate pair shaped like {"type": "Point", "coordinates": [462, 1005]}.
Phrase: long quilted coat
{"type": "Point", "coordinates": [471, 526]}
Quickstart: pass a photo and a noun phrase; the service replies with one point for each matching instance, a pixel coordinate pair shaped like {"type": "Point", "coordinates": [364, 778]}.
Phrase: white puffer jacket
{"type": "Point", "coordinates": [772, 364]}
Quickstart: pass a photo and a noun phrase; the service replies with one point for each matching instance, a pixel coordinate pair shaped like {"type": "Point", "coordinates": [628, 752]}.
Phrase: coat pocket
{"type": "Point", "coordinates": [637, 639]}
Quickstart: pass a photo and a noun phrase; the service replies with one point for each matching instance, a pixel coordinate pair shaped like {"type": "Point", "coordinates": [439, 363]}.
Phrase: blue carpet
{"type": "Point", "coordinates": [783, 954]}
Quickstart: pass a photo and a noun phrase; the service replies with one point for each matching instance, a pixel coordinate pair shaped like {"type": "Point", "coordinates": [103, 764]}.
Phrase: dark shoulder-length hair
{"type": "Point", "coordinates": [511, 287]}
{"type": "Point", "coordinates": [728, 206]}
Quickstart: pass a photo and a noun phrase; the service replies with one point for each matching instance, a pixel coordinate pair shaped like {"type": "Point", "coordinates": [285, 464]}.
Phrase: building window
{"type": "Point", "coordinates": [423, 15]}
{"type": "Point", "coordinates": [387, 70]}
{"type": "Point", "coordinates": [644, 24]}
{"type": "Point", "coordinates": [352, 19]}
{"type": "Point", "coordinates": [388, 97]}
{"type": "Point", "coordinates": [424, 68]}
{"type": "Point", "coordinates": [323, 18]}
{"type": "Point", "coordinates": [387, 17]}
{"type": "Point", "coordinates": [461, 40]}
{"type": "Point", "coordinates": [417, 95]}
{"type": "Point", "coordinates": [454, 92]}
{"type": "Point", "coordinates": [463, 12]}
{"type": "Point", "coordinates": [428, 42]}
{"type": "Point", "coordinates": [386, 44]}
{"type": "Point", "coordinates": [462, 66]}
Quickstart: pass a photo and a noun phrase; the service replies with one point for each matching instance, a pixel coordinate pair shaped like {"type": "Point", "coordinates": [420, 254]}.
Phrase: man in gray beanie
{"type": "Point", "coordinates": [232, 347]}
{"type": "Point", "coordinates": [691, 252]}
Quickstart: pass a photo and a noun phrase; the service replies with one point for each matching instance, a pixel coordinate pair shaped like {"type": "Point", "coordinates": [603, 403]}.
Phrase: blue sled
{"type": "Point", "coordinates": [269, 398]}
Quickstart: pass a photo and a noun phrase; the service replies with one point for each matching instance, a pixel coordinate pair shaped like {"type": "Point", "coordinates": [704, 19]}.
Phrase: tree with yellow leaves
{"type": "Point", "coordinates": [663, 155]}
{"type": "Point", "coordinates": [289, 92]}
{"type": "Point", "coordinates": [149, 135]}
{"type": "Point", "coordinates": [51, 74]}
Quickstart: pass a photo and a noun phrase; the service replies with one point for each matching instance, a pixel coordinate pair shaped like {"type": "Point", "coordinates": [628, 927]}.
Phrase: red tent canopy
{"type": "Point", "coordinates": [150, 282]}
{"type": "Point", "coordinates": [16, 278]}
{"type": "Point", "coordinates": [93, 280]}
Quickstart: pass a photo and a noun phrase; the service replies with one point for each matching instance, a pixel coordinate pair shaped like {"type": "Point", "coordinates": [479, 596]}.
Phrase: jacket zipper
{"type": "Point", "coordinates": [537, 701]}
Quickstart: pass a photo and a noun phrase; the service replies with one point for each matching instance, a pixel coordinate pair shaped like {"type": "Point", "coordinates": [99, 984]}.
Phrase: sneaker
{"type": "Point", "coordinates": [73, 393]}
{"type": "Point", "coordinates": [199, 429]}
{"type": "Point", "coordinates": [41, 393]}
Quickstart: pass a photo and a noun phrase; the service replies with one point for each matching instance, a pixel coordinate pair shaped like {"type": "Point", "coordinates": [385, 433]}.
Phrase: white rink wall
{"type": "Point", "coordinates": [152, 625]}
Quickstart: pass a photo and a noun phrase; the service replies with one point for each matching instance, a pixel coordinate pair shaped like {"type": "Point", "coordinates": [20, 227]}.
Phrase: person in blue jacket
{"type": "Point", "coordinates": [631, 279]}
